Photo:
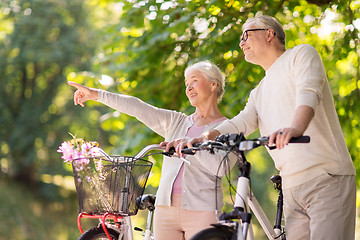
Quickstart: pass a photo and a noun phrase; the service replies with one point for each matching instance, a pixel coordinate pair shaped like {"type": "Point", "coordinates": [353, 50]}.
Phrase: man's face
{"type": "Point", "coordinates": [253, 43]}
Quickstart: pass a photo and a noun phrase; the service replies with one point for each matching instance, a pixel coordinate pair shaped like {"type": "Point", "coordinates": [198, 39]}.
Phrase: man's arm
{"type": "Point", "coordinates": [301, 120]}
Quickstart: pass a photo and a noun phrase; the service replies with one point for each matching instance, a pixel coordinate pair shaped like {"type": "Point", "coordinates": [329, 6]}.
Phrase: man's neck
{"type": "Point", "coordinates": [272, 56]}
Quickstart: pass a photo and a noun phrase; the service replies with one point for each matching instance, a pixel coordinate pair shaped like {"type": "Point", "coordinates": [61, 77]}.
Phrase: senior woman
{"type": "Point", "coordinates": [185, 201]}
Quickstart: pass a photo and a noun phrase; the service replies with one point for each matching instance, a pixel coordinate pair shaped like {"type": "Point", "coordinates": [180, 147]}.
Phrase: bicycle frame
{"type": "Point", "coordinates": [271, 233]}
{"type": "Point", "coordinates": [245, 198]}
{"type": "Point", "coordinates": [118, 220]}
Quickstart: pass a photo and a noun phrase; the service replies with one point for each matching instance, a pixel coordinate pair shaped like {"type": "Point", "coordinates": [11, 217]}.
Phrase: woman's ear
{"type": "Point", "coordinates": [214, 85]}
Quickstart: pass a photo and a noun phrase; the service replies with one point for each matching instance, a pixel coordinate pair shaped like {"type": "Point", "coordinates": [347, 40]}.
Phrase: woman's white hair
{"type": "Point", "coordinates": [212, 73]}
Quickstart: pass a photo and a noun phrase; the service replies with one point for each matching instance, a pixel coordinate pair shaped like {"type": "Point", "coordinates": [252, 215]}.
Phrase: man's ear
{"type": "Point", "coordinates": [270, 34]}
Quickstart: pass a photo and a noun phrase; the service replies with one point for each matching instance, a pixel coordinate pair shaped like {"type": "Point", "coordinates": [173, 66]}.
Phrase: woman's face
{"type": "Point", "coordinates": [199, 89]}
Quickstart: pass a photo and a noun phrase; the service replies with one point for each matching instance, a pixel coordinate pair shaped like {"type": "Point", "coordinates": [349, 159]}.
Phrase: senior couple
{"type": "Point", "coordinates": [293, 99]}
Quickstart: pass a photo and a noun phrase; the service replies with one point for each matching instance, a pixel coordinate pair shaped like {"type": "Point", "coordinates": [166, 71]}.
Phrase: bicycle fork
{"type": "Point", "coordinates": [241, 203]}
{"type": "Point", "coordinates": [147, 232]}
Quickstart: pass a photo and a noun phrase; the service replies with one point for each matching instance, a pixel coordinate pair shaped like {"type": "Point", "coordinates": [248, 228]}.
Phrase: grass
{"type": "Point", "coordinates": [25, 215]}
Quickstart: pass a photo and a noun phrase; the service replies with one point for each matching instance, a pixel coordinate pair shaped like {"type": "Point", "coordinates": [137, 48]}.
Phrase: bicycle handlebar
{"type": "Point", "coordinates": [149, 148]}
{"type": "Point", "coordinates": [238, 141]}
{"type": "Point", "coordinates": [264, 141]}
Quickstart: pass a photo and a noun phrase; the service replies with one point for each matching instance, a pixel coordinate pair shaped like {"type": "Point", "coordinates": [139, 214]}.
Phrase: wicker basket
{"type": "Point", "coordinates": [110, 184]}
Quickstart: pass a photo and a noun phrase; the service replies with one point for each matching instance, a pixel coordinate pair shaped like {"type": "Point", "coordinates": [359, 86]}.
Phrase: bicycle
{"type": "Point", "coordinates": [110, 189]}
{"type": "Point", "coordinates": [236, 225]}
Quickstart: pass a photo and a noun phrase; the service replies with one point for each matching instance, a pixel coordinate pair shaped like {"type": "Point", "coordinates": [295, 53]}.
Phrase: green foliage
{"type": "Point", "coordinates": [44, 41]}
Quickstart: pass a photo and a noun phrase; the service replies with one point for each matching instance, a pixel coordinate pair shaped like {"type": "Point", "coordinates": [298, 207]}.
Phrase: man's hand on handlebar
{"type": "Point", "coordinates": [301, 120]}
{"type": "Point", "coordinates": [282, 137]}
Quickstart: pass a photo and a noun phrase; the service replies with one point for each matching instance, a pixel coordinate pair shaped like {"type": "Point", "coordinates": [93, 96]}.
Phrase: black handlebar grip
{"type": "Point", "coordinates": [171, 150]}
{"type": "Point", "coordinates": [190, 151]}
{"type": "Point", "coordinates": [301, 139]}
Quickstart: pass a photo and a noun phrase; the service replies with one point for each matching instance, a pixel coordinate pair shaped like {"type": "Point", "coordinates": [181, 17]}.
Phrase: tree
{"type": "Point", "coordinates": [44, 41]}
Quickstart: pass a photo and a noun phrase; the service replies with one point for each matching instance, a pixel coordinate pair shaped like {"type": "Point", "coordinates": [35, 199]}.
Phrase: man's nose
{"type": "Point", "coordinates": [241, 44]}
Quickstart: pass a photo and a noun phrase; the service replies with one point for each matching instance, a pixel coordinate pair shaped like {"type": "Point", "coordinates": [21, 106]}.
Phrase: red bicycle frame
{"type": "Point", "coordinates": [114, 217]}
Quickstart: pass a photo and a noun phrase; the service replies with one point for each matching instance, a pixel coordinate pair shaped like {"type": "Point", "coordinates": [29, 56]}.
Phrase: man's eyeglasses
{"type": "Point", "coordinates": [245, 35]}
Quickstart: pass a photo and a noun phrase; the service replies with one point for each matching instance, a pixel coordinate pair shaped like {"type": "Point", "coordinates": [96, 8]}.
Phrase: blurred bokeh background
{"type": "Point", "coordinates": [139, 48]}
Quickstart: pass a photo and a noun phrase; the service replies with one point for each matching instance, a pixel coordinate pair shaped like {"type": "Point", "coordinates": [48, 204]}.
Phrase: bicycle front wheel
{"type": "Point", "coordinates": [97, 233]}
{"type": "Point", "coordinates": [214, 234]}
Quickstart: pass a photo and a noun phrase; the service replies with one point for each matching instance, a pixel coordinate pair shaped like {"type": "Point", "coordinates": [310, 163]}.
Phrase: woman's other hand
{"type": "Point", "coordinates": [173, 143]}
{"type": "Point", "coordinates": [188, 143]}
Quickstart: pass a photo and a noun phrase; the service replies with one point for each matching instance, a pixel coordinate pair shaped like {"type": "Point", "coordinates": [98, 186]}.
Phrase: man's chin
{"type": "Point", "coordinates": [250, 60]}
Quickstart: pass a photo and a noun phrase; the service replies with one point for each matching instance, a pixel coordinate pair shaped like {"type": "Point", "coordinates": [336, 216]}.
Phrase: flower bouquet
{"type": "Point", "coordinates": [77, 148]}
{"type": "Point", "coordinates": [86, 159]}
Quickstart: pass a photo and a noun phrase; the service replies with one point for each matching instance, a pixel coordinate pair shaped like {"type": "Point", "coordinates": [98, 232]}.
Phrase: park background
{"type": "Point", "coordinates": [140, 48]}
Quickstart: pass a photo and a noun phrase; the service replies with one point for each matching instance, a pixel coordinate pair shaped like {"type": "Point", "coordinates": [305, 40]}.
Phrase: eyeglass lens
{"type": "Point", "coordinates": [245, 36]}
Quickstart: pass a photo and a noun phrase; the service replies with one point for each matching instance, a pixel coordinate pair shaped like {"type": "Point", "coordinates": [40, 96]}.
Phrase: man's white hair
{"type": "Point", "coordinates": [267, 22]}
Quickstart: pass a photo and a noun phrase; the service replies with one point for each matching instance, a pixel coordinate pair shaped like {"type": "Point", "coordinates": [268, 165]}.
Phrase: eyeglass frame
{"type": "Point", "coordinates": [245, 33]}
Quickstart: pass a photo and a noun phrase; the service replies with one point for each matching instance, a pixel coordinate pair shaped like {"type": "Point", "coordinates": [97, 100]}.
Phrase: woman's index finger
{"type": "Point", "coordinates": [78, 86]}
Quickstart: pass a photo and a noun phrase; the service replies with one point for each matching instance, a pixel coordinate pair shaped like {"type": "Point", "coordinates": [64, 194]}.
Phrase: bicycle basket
{"type": "Point", "coordinates": [110, 184]}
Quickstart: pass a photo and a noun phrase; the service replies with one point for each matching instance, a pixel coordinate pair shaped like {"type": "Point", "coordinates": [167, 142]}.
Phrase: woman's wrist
{"type": "Point", "coordinates": [95, 93]}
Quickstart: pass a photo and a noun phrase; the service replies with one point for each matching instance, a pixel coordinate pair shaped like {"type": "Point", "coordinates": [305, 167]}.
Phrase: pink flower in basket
{"type": "Point", "coordinates": [77, 148]}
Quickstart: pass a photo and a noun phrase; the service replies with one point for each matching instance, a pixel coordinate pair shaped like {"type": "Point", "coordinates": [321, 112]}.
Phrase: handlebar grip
{"type": "Point", "coordinates": [301, 139]}
{"type": "Point", "coordinates": [171, 150]}
{"type": "Point", "coordinates": [190, 151]}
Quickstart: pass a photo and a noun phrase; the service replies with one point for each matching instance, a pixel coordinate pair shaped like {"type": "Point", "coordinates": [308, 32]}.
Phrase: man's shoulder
{"type": "Point", "coordinates": [303, 48]}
